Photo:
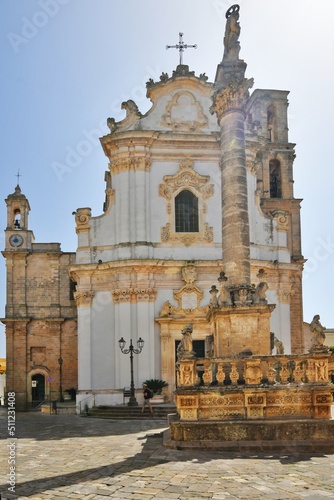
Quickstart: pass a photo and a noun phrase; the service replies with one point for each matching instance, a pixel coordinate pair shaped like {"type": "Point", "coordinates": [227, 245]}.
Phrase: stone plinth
{"type": "Point", "coordinates": [256, 403]}
{"type": "Point", "coordinates": [254, 436]}
{"type": "Point", "coordinates": [291, 401]}
{"type": "Point", "coordinates": [240, 329]}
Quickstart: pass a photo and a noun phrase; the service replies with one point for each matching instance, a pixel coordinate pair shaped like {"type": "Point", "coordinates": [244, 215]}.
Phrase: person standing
{"type": "Point", "coordinates": [147, 398]}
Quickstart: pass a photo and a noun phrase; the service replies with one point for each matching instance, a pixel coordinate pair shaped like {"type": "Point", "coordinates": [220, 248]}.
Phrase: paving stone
{"type": "Point", "coordinates": [70, 457]}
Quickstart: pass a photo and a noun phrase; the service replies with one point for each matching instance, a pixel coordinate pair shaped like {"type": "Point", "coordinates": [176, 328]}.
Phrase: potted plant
{"type": "Point", "coordinates": [156, 385]}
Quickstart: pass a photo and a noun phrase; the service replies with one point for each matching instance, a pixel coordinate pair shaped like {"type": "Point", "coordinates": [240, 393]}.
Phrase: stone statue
{"type": "Point", "coordinates": [213, 300]}
{"type": "Point", "coordinates": [111, 124]}
{"type": "Point", "coordinates": [166, 309]}
{"type": "Point", "coordinates": [279, 346]}
{"type": "Point", "coordinates": [260, 293]}
{"type": "Point", "coordinates": [232, 33]}
{"type": "Point", "coordinates": [209, 347]}
{"type": "Point", "coordinates": [319, 336]}
{"type": "Point", "coordinates": [130, 107]}
{"type": "Point", "coordinates": [185, 347]}
{"type": "Point", "coordinates": [224, 298]}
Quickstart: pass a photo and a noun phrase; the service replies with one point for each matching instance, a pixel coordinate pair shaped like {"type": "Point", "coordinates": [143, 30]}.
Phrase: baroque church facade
{"type": "Point", "coordinates": [156, 259]}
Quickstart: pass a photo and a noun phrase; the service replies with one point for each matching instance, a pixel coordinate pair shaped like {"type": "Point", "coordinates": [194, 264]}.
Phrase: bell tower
{"type": "Point", "coordinates": [18, 236]}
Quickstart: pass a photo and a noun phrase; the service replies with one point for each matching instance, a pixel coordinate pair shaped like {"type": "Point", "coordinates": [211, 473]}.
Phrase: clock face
{"type": "Point", "coordinates": [16, 240]}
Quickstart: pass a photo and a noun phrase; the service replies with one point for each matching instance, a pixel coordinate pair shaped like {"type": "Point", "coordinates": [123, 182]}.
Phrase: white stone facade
{"type": "Point", "coordinates": [129, 260]}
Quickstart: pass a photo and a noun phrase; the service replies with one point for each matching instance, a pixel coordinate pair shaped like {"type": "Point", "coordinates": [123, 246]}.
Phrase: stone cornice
{"type": "Point", "coordinates": [161, 145]}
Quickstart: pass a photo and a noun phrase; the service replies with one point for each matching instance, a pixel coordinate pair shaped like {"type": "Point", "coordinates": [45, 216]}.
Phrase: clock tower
{"type": "Point", "coordinates": [18, 237]}
{"type": "Point", "coordinates": [40, 319]}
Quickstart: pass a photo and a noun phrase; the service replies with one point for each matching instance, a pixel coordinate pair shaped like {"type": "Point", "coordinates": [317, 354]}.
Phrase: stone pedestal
{"type": "Point", "coordinates": [237, 330]}
{"type": "Point", "coordinates": [309, 436]}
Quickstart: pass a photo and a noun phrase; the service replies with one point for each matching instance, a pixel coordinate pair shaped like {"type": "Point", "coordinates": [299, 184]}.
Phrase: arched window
{"type": "Point", "coordinates": [186, 212]}
{"type": "Point", "coordinates": [275, 179]}
{"type": "Point", "coordinates": [17, 219]}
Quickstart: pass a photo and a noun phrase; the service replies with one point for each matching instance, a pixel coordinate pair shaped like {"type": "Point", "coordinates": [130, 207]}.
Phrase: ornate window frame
{"type": "Point", "coordinates": [186, 178]}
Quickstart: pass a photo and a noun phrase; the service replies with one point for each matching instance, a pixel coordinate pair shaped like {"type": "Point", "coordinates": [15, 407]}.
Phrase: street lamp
{"type": "Point", "coordinates": [131, 350]}
{"type": "Point", "coordinates": [60, 361]}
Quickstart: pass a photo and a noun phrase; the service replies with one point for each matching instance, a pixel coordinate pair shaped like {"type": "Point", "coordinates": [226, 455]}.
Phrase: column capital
{"type": "Point", "coordinates": [233, 97]}
{"type": "Point", "coordinates": [84, 299]}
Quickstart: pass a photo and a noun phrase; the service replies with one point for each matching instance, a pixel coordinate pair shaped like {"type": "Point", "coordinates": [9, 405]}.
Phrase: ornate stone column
{"type": "Point", "coordinates": [229, 99]}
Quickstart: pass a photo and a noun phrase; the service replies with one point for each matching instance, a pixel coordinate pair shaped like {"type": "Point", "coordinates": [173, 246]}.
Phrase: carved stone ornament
{"type": "Point", "coordinates": [83, 299]}
{"type": "Point", "coordinates": [130, 162]}
{"type": "Point", "coordinates": [234, 96]}
{"type": "Point", "coordinates": [253, 372]}
{"type": "Point", "coordinates": [188, 298]}
{"type": "Point", "coordinates": [282, 219]}
{"type": "Point", "coordinates": [285, 294]}
{"type": "Point", "coordinates": [134, 295]}
{"type": "Point", "coordinates": [186, 178]}
{"type": "Point", "coordinates": [166, 310]}
{"type": "Point", "coordinates": [184, 112]}
{"type": "Point", "coordinates": [321, 370]}
{"type": "Point", "coordinates": [186, 374]}
{"type": "Point", "coordinates": [110, 198]}
{"type": "Point", "coordinates": [189, 274]}
{"type": "Point", "coordinates": [132, 115]}
{"type": "Point", "coordinates": [82, 216]}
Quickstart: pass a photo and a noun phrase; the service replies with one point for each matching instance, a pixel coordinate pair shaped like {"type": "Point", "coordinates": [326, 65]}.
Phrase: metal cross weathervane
{"type": "Point", "coordinates": [181, 46]}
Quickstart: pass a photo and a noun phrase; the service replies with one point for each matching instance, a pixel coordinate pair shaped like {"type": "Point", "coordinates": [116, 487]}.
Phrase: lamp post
{"type": "Point", "coordinates": [132, 351]}
{"type": "Point", "coordinates": [60, 361]}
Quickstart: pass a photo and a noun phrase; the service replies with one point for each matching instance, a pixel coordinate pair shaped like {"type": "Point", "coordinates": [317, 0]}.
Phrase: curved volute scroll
{"type": "Point", "coordinates": [82, 217]}
{"type": "Point", "coordinates": [132, 116]}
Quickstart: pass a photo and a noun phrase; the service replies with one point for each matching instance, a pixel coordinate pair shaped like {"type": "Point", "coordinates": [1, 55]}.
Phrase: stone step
{"type": "Point", "coordinates": [131, 412]}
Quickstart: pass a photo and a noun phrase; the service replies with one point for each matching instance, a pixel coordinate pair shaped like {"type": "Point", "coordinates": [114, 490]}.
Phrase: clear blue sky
{"type": "Point", "coordinates": [68, 64]}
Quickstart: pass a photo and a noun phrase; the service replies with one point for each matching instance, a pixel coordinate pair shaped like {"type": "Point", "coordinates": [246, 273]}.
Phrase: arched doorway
{"type": "Point", "coordinates": [37, 388]}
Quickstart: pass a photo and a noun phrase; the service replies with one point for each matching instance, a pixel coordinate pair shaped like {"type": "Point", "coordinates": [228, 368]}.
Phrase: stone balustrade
{"type": "Point", "coordinates": [279, 369]}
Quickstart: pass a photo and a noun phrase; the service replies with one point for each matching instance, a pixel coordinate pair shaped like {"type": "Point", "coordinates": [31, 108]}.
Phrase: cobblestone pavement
{"type": "Point", "coordinates": [67, 456]}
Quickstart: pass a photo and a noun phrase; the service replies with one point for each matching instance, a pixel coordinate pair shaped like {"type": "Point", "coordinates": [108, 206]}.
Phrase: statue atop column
{"type": "Point", "coordinates": [231, 86]}
{"type": "Point", "coordinates": [232, 33]}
